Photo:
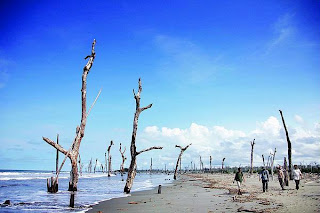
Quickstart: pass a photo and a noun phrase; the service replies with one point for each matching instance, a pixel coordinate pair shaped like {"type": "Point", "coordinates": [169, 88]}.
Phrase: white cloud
{"type": "Point", "coordinates": [219, 142]}
{"type": "Point", "coordinates": [298, 118]}
{"type": "Point", "coordinates": [283, 29]}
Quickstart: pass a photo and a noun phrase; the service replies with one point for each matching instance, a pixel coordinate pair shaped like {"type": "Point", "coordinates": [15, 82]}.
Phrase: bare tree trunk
{"type": "Point", "coordinates": [123, 160]}
{"type": "Point", "coordinates": [109, 159]}
{"type": "Point", "coordinates": [95, 166]}
{"type": "Point", "coordinates": [268, 162]}
{"type": "Point", "coordinates": [286, 174]}
{"type": "Point", "coordinates": [179, 159]}
{"type": "Point", "coordinates": [151, 166]}
{"type": "Point", "coordinates": [133, 149]}
{"type": "Point", "coordinates": [273, 155]}
{"type": "Point", "coordinates": [222, 165]}
{"type": "Point", "coordinates": [264, 165]}
{"type": "Point", "coordinates": [252, 145]}
{"type": "Point", "coordinates": [73, 152]}
{"type": "Point", "coordinates": [289, 146]}
{"type": "Point", "coordinates": [57, 158]}
{"type": "Point", "coordinates": [210, 164]}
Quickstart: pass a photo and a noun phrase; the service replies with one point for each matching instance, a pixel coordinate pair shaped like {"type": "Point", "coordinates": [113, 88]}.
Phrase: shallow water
{"type": "Point", "coordinates": [27, 190]}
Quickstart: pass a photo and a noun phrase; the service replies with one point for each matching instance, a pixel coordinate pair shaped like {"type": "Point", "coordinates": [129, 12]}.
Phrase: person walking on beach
{"type": "Point", "coordinates": [297, 176]}
{"type": "Point", "coordinates": [264, 176]}
{"type": "Point", "coordinates": [239, 178]}
{"type": "Point", "coordinates": [281, 177]}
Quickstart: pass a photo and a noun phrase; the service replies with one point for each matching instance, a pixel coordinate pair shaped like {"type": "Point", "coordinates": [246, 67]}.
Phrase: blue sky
{"type": "Point", "coordinates": [216, 72]}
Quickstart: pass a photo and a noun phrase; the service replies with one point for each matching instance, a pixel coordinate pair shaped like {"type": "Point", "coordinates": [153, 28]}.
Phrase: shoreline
{"type": "Point", "coordinates": [217, 193]}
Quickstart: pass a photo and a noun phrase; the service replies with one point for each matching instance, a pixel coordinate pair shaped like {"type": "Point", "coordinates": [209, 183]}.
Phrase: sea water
{"type": "Point", "coordinates": [27, 190]}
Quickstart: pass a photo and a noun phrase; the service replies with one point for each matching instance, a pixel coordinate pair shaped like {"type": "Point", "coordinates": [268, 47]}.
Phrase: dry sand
{"type": "Point", "coordinates": [217, 193]}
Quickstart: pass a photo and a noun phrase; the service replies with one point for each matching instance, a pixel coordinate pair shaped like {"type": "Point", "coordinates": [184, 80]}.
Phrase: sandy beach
{"type": "Point", "coordinates": [217, 193]}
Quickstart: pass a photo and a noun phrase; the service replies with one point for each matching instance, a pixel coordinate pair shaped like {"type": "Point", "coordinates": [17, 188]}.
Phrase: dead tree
{"type": "Point", "coordinates": [123, 160]}
{"type": "Point", "coordinates": [289, 146]}
{"type": "Point", "coordinates": [109, 159]}
{"type": "Point", "coordinates": [73, 152]}
{"type": "Point", "coordinates": [264, 165]}
{"type": "Point", "coordinates": [222, 165]}
{"type": "Point", "coordinates": [151, 166]}
{"type": "Point", "coordinates": [201, 165]}
{"type": "Point", "coordinates": [179, 159]}
{"type": "Point", "coordinates": [95, 166]}
{"type": "Point", "coordinates": [210, 164]}
{"type": "Point", "coordinates": [268, 162]}
{"type": "Point", "coordinates": [53, 182]}
{"type": "Point", "coordinates": [105, 161]}
{"type": "Point", "coordinates": [286, 174]}
{"type": "Point", "coordinates": [133, 149]}
{"type": "Point", "coordinates": [90, 166]}
{"type": "Point", "coordinates": [273, 155]}
{"type": "Point", "coordinates": [252, 145]}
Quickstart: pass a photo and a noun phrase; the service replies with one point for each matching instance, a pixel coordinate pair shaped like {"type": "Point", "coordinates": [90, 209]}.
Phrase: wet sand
{"type": "Point", "coordinates": [217, 193]}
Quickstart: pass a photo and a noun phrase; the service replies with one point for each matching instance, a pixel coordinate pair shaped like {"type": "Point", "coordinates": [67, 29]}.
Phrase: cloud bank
{"type": "Point", "coordinates": [234, 145]}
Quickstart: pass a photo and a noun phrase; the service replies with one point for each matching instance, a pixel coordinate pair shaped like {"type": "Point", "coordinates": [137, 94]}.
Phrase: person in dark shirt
{"type": "Point", "coordinates": [264, 176]}
{"type": "Point", "coordinates": [239, 178]}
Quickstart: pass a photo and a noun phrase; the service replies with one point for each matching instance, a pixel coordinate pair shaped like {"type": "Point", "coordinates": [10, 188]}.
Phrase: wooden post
{"type": "Point", "coordinates": [133, 149]}
{"type": "Point", "coordinates": [251, 165]}
{"type": "Point", "coordinates": [73, 152]}
{"type": "Point", "coordinates": [182, 149]}
{"type": "Point", "coordinates": [159, 189]}
{"type": "Point", "coordinates": [289, 146]}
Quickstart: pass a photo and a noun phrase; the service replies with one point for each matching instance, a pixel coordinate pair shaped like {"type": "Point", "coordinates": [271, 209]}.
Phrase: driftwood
{"type": "Point", "coordinates": [289, 146]}
{"type": "Point", "coordinates": [182, 149]}
{"type": "Point", "coordinates": [273, 155]}
{"type": "Point", "coordinates": [73, 152]}
{"type": "Point", "coordinates": [251, 165]}
{"type": "Point", "coordinates": [109, 159]}
{"type": "Point", "coordinates": [123, 160]}
{"type": "Point", "coordinates": [133, 150]}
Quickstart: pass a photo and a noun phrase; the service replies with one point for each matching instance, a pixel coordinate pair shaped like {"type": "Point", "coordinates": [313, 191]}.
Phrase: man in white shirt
{"type": "Point", "coordinates": [297, 176]}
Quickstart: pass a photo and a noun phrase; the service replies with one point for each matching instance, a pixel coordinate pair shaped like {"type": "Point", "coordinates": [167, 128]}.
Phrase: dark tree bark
{"type": "Point", "coordinates": [222, 164]}
{"type": "Point", "coordinates": [251, 165]}
{"type": "Point", "coordinates": [182, 149]}
{"type": "Point", "coordinates": [289, 146]}
{"type": "Point", "coordinates": [123, 160]}
{"type": "Point", "coordinates": [73, 152]}
{"type": "Point", "coordinates": [286, 174]}
{"type": "Point", "coordinates": [133, 149]}
{"type": "Point", "coordinates": [109, 159]}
